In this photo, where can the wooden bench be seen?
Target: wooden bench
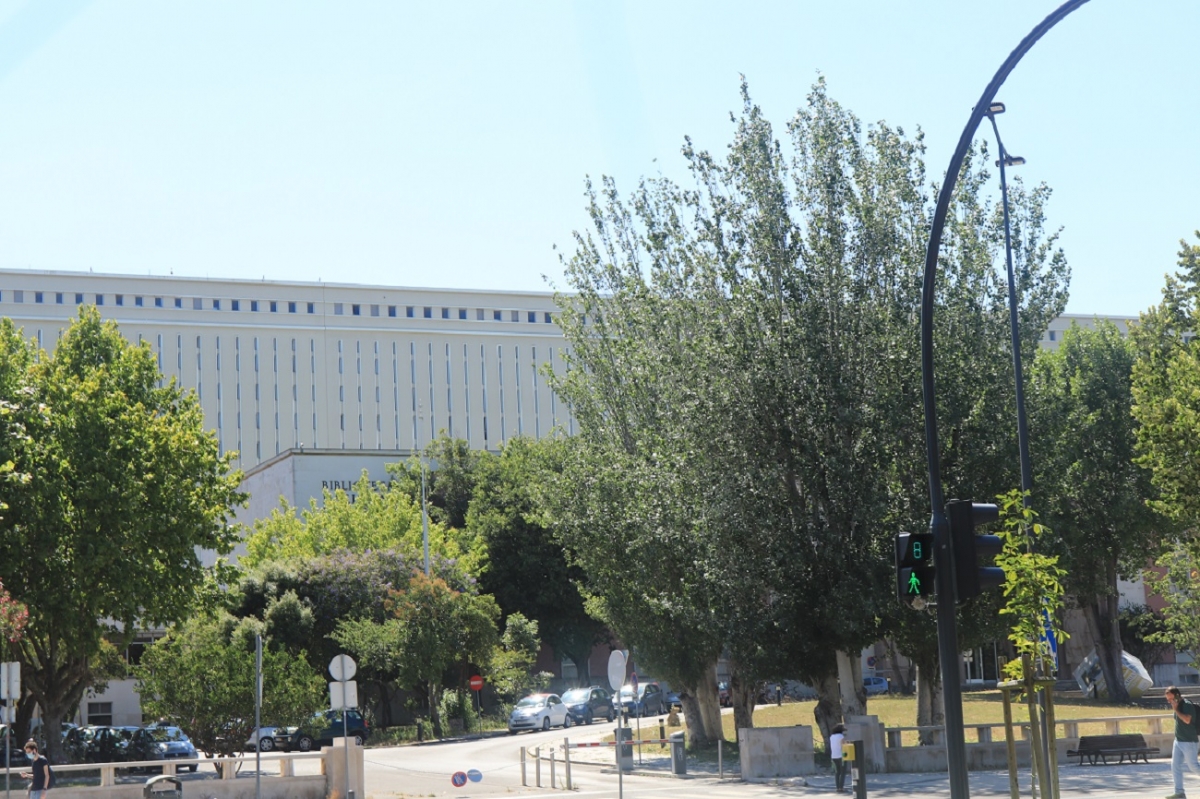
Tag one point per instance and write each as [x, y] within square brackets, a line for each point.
[1099, 748]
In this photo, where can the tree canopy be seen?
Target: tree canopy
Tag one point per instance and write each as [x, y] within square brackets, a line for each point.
[125, 488]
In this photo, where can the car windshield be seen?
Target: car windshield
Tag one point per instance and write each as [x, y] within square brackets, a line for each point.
[167, 734]
[627, 692]
[577, 695]
[532, 701]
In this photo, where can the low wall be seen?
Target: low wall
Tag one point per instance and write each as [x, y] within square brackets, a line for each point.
[775, 752]
[330, 783]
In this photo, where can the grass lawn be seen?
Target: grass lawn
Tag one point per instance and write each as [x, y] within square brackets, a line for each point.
[979, 707]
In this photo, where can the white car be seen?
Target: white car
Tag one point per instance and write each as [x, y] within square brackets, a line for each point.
[539, 712]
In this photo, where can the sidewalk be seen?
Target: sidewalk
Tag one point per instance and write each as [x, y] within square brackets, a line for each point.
[1076, 782]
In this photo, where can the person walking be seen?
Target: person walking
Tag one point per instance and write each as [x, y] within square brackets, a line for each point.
[41, 774]
[1187, 742]
[836, 738]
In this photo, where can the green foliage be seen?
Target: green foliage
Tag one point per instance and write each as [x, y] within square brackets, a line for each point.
[1033, 589]
[527, 571]
[375, 518]
[201, 677]
[744, 370]
[433, 628]
[1178, 583]
[126, 488]
[511, 668]
[1166, 388]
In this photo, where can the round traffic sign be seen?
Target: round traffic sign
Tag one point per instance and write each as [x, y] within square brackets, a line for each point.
[476, 683]
[458, 779]
[616, 669]
[475, 775]
[342, 668]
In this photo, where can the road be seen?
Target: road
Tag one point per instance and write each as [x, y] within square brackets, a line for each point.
[425, 771]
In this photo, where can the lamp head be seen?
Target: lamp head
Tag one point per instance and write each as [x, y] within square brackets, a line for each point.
[1012, 160]
[995, 108]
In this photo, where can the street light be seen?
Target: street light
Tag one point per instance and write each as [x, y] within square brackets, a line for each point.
[1006, 160]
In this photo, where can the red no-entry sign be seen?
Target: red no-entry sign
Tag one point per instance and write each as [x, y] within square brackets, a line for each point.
[476, 683]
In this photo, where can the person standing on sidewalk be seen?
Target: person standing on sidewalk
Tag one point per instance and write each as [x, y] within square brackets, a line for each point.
[1187, 742]
[836, 738]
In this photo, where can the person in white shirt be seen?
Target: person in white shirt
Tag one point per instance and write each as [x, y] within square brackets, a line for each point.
[836, 737]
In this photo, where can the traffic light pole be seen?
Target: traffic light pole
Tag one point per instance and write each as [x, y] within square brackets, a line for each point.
[938, 525]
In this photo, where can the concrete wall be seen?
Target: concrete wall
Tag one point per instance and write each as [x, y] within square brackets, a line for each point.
[992, 756]
[776, 752]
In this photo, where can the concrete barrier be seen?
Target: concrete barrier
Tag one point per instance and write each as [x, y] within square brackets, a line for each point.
[775, 752]
[330, 783]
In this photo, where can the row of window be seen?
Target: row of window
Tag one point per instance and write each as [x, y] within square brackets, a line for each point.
[274, 306]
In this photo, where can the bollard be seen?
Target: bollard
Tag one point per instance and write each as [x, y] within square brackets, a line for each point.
[662, 731]
[537, 767]
[720, 759]
[553, 781]
[858, 768]
[524, 783]
[678, 754]
[567, 760]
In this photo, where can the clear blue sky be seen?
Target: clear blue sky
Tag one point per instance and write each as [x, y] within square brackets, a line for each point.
[446, 144]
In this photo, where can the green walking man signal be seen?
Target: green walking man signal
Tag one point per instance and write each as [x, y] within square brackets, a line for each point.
[914, 568]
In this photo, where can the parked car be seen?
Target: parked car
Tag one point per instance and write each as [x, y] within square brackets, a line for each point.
[321, 730]
[875, 685]
[586, 704]
[724, 695]
[161, 743]
[263, 738]
[538, 712]
[650, 699]
[96, 744]
[673, 700]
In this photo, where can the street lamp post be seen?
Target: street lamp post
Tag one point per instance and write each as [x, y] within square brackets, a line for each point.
[1006, 160]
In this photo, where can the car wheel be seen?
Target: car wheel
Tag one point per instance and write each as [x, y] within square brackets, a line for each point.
[304, 744]
[611, 715]
[192, 768]
[546, 723]
[567, 720]
[266, 744]
[358, 739]
[590, 717]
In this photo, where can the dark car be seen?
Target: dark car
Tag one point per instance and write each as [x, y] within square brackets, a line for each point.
[724, 694]
[650, 699]
[96, 744]
[321, 730]
[587, 704]
[161, 743]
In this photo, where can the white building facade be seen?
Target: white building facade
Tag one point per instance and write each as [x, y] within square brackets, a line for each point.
[280, 366]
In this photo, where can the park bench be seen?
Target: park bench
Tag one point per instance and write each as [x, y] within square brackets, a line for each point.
[1099, 748]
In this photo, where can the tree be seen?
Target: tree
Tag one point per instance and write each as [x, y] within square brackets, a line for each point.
[512, 664]
[1088, 487]
[745, 374]
[434, 627]
[1166, 379]
[126, 487]
[201, 676]
[527, 571]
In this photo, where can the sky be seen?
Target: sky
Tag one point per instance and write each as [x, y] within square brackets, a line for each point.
[447, 144]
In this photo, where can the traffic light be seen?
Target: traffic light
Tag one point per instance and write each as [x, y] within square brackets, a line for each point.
[973, 553]
[914, 568]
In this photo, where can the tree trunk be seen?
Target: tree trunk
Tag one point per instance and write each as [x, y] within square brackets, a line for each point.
[693, 720]
[828, 711]
[435, 718]
[854, 697]
[742, 696]
[710, 705]
[1102, 614]
[930, 708]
